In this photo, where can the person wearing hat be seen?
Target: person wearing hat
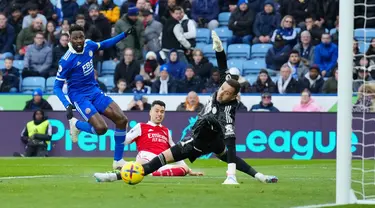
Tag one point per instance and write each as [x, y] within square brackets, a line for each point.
[136, 39]
[151, 69]
[37, 102]
[152, 31]
[164, 84]
[191, 82]
[364, 76]
[265, 23]
[263, 83]
[313, 81]
[84, 9]
[241, 23]
[265, 104]
[110, 10]
[278, 54]
[33, 13]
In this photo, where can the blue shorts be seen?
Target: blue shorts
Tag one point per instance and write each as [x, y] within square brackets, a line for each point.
[88, 105]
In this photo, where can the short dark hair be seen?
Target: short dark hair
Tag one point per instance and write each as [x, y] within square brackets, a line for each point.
[158, 102]
[294, 52]
[39, 33]
[175, 8]
[235, 84]
[64, 34]
[310, 17]
[325, 33]
[121, 80]
[9, 58]
[80, 16]
[76, 27]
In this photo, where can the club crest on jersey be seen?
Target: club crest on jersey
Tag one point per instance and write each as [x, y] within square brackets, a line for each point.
[91, 53]
[87, 110]
[214, 110]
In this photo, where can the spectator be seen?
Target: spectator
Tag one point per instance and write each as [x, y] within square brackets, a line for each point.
[335, 36]
[70, 10]
[127, 68]
[264, 83]
[326, 54]
[287, 31]
[165, 10]
[38, 58]
[152, 32]
[65, 27]
[205, 13]
[363, 63]
[102, 86]
[151, 69]
[164, 84]
[365, 101]
[136, 39]
[139, 103]
[191, 82]
[316, 30]
[299, 69]
[121, 87]
[11, 75]
[36, 135]
[7, 36]
[173, 35]
[16, 20]
[265, 104]
[213, 83]
[27, 35]
[5, 85]
[4, 7]
[191, 104]
[286, 83]
[326, 11]
[110, 11]
[370, 53]
[330, 85]
[300, 10]
[140, 88]
[58, 52]
[356, 53]
[363, 77]
[240, 107]
[313, 81]
[51, 34]
[141, 5]
[265, 23]
[241, 23]
[305, 48]
[278, 54]
[46, 8]
[256, 5]
[245, 85]
[307, 104]
[284, 6]
[175, 66]
[201, 66]
[189, 29]
[33, 14]
[37, 103]
[84, 9]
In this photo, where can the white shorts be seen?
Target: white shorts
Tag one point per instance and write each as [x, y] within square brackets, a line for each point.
[144, 157]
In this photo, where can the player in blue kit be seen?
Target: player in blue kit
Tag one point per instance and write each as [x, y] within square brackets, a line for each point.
[77, 69]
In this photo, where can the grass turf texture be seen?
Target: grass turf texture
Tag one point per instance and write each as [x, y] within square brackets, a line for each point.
[71, 185]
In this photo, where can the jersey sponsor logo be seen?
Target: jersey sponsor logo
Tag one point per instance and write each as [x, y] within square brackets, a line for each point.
[156, 137]
[88, 67]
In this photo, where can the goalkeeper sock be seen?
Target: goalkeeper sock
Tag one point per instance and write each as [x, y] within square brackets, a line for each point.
[241, 165]
[154, 164]
[170, 172]
[120, 135]
[85, 126]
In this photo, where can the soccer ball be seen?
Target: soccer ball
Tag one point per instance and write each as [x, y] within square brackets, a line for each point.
[132, 173]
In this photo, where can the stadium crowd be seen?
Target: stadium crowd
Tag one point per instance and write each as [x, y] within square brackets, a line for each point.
[276, 46]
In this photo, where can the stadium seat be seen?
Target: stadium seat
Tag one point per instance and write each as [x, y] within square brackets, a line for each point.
[200, 45]
[203, 35]
[363, 46]
[224, 33]
[253, 66]
[239, 51]
[224, 18]
[81, 2]
[260, 50]
[238, 63]
[332, 31]
[118, 2]
[366, 35]
[208, 52]
[29, 84]
[18, 64]
[2, 64]
[274, 78]
[108, 68]
[213, 61]
[49, 84]
[298, 30]
[251, 78]
[108, 81]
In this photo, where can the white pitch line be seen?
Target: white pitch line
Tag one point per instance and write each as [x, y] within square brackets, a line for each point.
[318, 205]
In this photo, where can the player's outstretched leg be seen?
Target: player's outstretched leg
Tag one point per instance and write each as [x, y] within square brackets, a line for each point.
[76, 126]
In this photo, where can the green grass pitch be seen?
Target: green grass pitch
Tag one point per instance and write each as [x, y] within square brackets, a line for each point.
[68, 183]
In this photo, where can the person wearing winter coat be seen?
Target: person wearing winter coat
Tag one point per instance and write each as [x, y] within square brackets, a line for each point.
[363, 77]
[127, 68]
[300, 10]
[151, 69]
[191, 104]
[265, 104]
[7, 37]
[58, 52]
[205, 13]
[307, 104]
[286, 83]
[175, 66]
[110, 10]
[305, 48]
[201, 66]
[70, 10]
[326, 55]
[278, 54]
[191, 82]
[265, 23]
[165, 83]
[152, 32]
[330, 85]
[313, 81]
[241, 23]
[213, 83]
[315, 30]
[264, 83]
[299, 68]
[37, 102]
[287, 31]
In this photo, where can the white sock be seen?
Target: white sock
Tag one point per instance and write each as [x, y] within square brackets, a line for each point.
[260, 177]
[231, 169]
[113, 176]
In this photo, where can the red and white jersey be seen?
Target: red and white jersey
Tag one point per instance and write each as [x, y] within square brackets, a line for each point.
[150, 137]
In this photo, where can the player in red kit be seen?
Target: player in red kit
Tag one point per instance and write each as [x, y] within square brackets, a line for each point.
[151, 139]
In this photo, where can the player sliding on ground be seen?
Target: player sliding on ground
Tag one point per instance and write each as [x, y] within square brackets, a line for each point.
[77, 68]
[214, 127]
[152, 139]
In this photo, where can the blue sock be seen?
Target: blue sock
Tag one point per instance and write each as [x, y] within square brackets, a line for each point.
[85, 126]
[120, 135]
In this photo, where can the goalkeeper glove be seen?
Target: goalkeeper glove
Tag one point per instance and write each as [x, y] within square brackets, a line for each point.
[69, 111]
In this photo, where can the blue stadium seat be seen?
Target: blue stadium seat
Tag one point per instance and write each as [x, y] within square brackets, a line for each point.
[118, 2]
[81, 2]
[332, 31]
[49, 84]
[108, 68]
[238, 63]
[2, 64]
[274, 78]
[251, 78]
[366, 35]
[200, 45]
[239, 51]
[208, 52]
[253, 66]
[224, 18]
[18, 64]
[203, 35]
[29, 84]
[108, 81]
[298, 30]
[213, 61]
[260, 50]
[363, 46]
[224, 33]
